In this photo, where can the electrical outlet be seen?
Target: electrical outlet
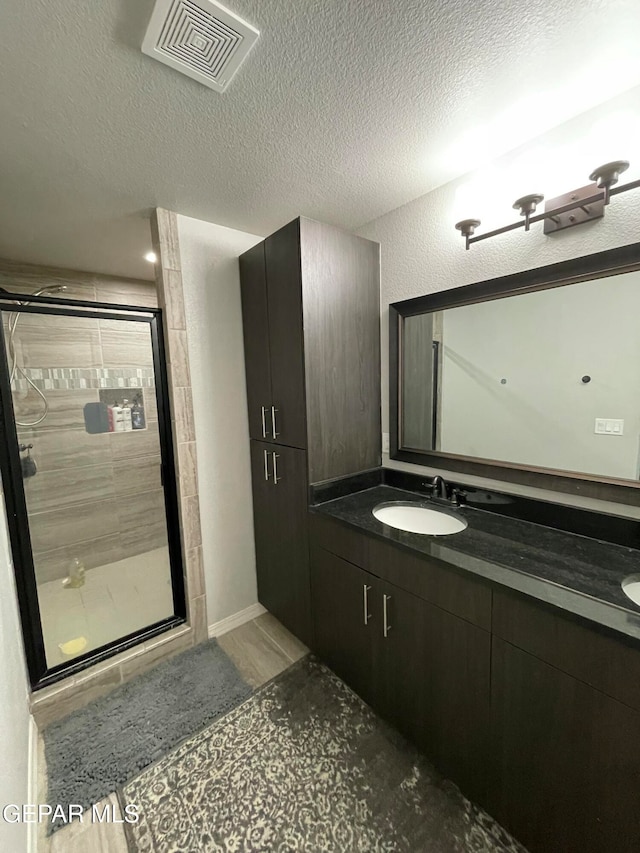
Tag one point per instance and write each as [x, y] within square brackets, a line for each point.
[385, 442]
[609, 426]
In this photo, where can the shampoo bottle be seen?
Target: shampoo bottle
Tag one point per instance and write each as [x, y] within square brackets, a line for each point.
[138, 420]
[126, 415]
[118, 418]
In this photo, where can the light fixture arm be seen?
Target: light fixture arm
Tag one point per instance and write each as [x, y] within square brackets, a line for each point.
[577, 201]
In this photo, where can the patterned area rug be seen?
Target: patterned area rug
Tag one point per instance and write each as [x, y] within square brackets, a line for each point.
[91, 752]
[304, 765]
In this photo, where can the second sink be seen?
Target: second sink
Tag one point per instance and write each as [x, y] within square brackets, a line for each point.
[631, 588]
[417, 518]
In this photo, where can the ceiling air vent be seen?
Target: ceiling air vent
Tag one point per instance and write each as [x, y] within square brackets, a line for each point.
[200, 38]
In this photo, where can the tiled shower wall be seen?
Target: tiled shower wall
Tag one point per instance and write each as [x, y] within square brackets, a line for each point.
[107, 484]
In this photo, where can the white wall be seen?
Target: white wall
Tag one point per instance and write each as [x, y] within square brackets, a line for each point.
[542, 344]
[14, 708]
[422, 253]
[211, 283]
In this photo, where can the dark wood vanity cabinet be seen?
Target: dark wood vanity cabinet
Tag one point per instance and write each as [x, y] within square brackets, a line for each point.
[423, 669]
[566, 772]
[565, 731]
[311, 318]
[534, 713]
[279, 479]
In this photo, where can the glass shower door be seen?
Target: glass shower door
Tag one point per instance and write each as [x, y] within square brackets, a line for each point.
[89, 442]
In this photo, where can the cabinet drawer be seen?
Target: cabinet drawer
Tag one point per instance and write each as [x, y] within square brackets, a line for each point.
[604, 662]
[458, 593]
[338, 539]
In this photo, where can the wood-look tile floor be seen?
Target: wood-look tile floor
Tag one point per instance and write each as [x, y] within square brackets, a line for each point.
[260, 649]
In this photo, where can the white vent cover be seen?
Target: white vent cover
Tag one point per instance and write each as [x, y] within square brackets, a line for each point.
[200, 38]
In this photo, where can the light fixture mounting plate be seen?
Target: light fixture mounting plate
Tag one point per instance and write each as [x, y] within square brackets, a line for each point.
[594, 210]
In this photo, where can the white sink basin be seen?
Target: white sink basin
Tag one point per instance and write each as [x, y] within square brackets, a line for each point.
[417, 518]
[631, 588]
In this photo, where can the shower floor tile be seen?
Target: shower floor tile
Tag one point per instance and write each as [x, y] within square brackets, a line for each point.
[116, 599]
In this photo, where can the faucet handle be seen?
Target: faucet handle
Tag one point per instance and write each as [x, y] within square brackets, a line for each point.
[458, 496]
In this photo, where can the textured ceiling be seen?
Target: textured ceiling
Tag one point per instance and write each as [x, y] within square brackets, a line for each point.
[344, 110]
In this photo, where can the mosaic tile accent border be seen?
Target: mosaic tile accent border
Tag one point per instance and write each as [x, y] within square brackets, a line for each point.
[79, 378]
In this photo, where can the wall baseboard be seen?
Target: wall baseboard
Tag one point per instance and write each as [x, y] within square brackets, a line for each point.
[235, 620]
[32, 784]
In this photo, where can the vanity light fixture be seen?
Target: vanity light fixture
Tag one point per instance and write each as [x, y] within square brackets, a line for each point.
[572, 208]
[606, 176]
[527, 205]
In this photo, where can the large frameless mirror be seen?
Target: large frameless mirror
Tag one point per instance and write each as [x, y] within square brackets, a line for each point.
[88, 478]
[527, 377]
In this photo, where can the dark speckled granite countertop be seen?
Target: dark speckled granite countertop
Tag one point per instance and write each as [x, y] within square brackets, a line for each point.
[578, 574]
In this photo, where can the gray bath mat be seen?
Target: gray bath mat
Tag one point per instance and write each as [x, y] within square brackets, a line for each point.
[304, 765]
[95, 750]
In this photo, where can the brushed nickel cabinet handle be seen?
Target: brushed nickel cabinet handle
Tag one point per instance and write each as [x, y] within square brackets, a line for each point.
[264, 421]
[266, 465]
[385, 616]
[276, 479]
[365, 596]
[273, 421]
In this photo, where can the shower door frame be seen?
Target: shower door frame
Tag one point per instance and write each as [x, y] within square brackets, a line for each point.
[40, 674]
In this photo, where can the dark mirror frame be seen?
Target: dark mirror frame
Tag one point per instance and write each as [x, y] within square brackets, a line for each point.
[40, 674]
[599, 265]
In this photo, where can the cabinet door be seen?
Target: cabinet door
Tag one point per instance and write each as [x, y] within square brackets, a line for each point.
[264, 521]
[344, 623]
[341, 295]
[567, 759]
[435, 685]
[284, 295]
[255, 324]
[280, 521]
[291, 546]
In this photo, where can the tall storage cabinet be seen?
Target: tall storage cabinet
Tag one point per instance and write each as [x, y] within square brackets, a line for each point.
[311, 318]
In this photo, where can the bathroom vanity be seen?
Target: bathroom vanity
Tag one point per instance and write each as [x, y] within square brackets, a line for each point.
[475, 649]
[508, 651]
